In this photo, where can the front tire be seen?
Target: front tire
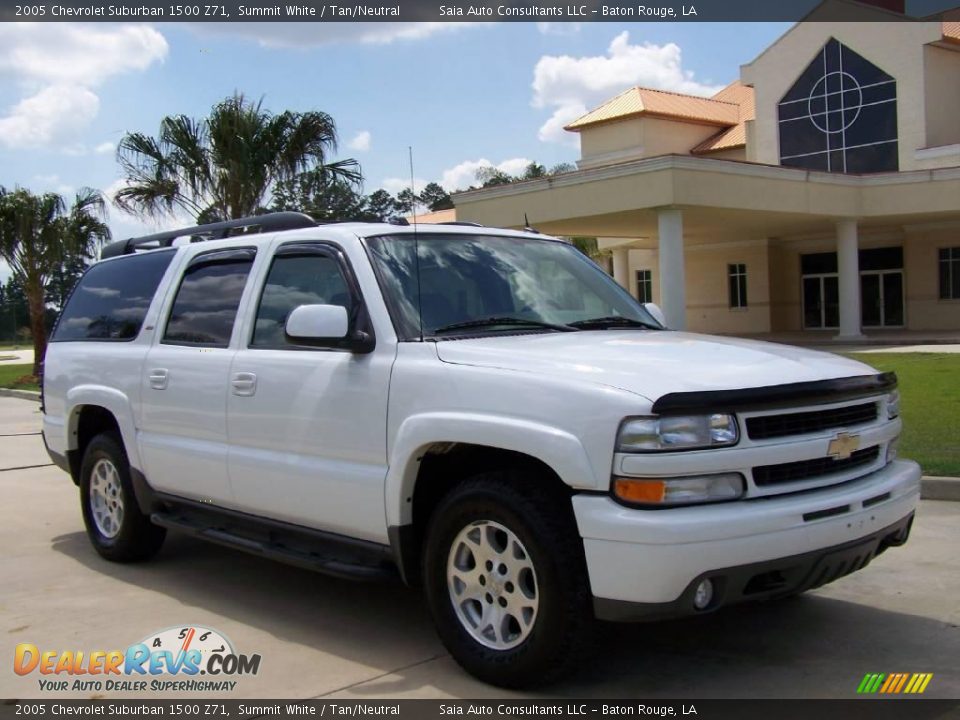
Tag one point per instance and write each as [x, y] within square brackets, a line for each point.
[117, 529]
[506, 580]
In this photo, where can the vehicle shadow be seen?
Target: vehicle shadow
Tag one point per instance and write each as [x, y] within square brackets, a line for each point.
[810, 646]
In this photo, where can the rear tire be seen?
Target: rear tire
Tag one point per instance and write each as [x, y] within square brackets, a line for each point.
[506, 580]
[117, 529]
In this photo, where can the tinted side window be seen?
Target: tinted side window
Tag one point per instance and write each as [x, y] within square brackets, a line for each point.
[112, 298]
[293, 281]
[206, 304]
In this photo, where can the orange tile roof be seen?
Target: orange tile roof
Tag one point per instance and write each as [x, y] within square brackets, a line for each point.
[640, 101]
[951, 31]
[736, 136]
[437, 216]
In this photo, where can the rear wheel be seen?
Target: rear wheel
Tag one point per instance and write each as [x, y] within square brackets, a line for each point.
[116, 527]
[506, 580]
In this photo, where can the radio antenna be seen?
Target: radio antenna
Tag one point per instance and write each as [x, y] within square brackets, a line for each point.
[416, 244]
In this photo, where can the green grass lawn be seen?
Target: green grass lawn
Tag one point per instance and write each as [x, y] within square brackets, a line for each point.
[930, 406]
[10, 374]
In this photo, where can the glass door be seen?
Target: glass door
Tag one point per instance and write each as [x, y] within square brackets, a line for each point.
[881, 299]
[821, 302]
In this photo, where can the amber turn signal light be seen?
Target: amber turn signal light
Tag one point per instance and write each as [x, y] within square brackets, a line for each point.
[640, 491]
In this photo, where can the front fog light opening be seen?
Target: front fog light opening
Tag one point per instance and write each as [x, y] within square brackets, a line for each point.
[893, 405]
[892, 449]
[703, 595]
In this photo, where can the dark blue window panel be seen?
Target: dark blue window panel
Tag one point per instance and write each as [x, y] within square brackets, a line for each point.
[873, 158]
[875, 124]
[802, 109]
[840, 103]
[817, 161]
[801, 137]
[874, 94]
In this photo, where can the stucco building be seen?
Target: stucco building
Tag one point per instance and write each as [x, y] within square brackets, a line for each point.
[819, 192]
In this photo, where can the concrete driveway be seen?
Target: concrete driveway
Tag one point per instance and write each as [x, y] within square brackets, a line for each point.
[322, 637]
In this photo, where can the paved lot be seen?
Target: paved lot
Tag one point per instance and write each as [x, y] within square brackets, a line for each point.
[321, 637]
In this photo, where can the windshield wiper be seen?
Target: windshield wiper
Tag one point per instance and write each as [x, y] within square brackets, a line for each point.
[602, 323]
[498, 320]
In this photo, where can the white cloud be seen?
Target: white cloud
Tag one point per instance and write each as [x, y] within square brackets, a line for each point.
[308, 34]
[464, 175]
[570, 85]
[48, 183]
[104, 148]
[56, 112]
[85, 54]
[393, 185]
[360, 141]
[56, 65]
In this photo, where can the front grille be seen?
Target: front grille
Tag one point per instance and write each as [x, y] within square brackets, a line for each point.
[766, 475]
[774, 426]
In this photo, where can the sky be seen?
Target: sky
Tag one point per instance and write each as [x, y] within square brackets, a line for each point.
[461, 95]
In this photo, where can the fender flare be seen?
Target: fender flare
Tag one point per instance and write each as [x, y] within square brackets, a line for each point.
[558, 449]
[112, 400]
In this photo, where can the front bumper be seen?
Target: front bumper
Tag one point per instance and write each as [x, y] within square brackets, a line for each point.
[646, 564]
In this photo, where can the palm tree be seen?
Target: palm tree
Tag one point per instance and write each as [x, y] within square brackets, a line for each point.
[223, 166]
[39, 235]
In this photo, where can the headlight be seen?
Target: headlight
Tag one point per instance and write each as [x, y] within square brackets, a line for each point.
[677, 432]
[668, 492]
[893, 405]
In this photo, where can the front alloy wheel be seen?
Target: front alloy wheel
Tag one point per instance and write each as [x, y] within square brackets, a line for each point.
[506, 580]
[492, 585]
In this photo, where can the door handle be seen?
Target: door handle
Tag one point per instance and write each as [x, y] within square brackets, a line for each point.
[158, 378]
[244, 384]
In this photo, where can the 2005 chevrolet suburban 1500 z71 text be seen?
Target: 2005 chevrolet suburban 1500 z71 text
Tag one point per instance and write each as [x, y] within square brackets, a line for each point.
[481, 411]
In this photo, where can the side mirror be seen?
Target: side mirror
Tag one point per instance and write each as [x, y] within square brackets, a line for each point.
[317, 323]
[657, 313]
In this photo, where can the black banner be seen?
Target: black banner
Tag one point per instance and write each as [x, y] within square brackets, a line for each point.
[861, 709]
[442, 11]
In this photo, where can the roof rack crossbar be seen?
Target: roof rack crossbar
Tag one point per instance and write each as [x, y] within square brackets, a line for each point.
[462, 223]
[213, 231]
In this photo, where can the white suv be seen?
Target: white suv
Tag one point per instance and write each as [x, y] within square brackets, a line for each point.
[478, 410]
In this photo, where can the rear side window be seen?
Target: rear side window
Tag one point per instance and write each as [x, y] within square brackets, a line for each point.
[112, 298]
[206, 304]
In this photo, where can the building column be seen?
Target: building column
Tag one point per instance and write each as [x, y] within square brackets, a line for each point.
[673, 290]
[621, 267]
[848, 269]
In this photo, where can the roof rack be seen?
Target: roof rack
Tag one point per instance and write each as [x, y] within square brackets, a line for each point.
[212, 231]
[464, 223]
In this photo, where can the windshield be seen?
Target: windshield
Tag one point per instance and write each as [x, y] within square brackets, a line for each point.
[480, 280]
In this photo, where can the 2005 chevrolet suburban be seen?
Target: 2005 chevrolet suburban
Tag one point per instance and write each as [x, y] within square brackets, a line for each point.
[481, 411]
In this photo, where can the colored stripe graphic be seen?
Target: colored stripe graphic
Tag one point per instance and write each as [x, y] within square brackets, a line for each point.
[894, 683]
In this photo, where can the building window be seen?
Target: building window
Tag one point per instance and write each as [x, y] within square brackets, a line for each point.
[840, 115]
[950, 273]
[737, 279]
[645, 285]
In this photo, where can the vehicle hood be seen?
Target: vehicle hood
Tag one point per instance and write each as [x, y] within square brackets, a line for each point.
[652, 363]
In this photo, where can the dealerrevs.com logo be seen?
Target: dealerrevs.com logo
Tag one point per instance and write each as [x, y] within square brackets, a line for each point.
[173, 659]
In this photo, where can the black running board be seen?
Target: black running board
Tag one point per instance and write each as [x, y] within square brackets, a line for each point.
[291, 544]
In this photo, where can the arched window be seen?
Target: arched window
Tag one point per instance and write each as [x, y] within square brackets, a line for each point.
[840, 115]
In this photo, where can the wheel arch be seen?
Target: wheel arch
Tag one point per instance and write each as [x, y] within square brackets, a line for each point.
[433, 453]
[92, 410]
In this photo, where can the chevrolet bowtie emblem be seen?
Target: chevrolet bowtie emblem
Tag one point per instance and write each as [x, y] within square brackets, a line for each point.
[843, 446]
